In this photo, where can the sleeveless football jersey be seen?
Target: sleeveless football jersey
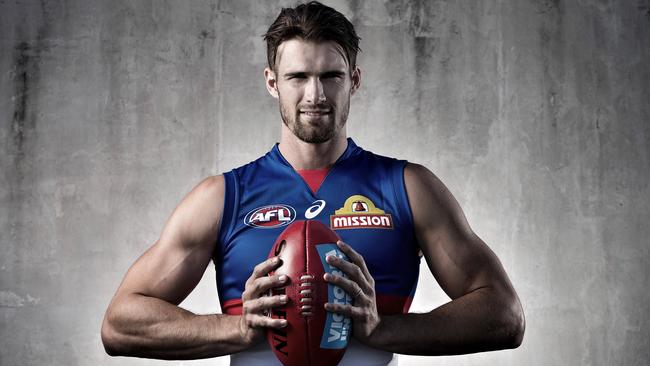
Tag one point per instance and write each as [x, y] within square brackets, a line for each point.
[362, 198]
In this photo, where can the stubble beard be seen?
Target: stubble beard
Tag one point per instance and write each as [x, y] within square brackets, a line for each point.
[316, 132]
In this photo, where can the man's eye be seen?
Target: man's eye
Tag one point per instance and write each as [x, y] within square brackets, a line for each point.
[332, 77]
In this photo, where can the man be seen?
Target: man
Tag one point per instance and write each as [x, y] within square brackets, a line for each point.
[388, 213]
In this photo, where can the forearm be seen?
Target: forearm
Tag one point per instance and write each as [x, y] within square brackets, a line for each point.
[142, 326]
[478, 321]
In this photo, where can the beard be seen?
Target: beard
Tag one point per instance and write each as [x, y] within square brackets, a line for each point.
[315, 131]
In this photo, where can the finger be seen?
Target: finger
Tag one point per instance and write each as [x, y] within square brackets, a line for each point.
[263, 303]
[355, 258]
[258, 286]
[262, 269]
[347, 310]
[353, 289]
[352, 270]
[261, 321]
[262, 285]
[265, 267]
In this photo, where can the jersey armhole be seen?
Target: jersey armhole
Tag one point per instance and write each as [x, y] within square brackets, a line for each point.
[402, 197]
[399, 187]
[230, 207]
[405, 204]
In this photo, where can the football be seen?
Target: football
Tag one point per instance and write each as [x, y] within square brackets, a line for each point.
[313, 335]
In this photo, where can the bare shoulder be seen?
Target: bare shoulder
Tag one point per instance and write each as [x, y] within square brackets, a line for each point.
[457, 257]
[431, 202]
[420, 179]
[210, 187]
[206, 197]
[171, 267]
[198, 216]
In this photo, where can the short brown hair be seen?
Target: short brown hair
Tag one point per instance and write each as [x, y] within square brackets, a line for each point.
[316, 22]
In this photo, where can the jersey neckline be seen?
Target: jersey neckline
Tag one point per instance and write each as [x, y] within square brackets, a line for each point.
[351, 150]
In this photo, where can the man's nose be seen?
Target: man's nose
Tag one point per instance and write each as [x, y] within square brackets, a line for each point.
[315, 93]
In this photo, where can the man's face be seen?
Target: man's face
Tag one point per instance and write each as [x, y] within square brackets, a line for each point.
[313, 84]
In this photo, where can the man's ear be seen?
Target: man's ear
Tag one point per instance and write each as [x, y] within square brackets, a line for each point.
[271, 82]
[356, 80]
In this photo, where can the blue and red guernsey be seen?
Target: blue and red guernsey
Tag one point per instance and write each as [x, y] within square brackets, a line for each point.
[362, 198]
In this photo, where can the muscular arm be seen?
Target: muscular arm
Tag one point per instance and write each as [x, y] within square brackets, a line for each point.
[143, 318]
[484, 314]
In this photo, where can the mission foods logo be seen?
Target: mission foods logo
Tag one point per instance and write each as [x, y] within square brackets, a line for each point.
[360, 212]
[271, 216]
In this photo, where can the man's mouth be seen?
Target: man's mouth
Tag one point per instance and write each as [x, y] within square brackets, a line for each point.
[315, 112]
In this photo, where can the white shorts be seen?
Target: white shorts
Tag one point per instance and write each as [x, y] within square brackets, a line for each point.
[357, 354]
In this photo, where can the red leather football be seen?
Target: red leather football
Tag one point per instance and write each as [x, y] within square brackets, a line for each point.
[313, 336]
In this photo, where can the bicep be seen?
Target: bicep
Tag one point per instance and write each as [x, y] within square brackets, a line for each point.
[171, 268]
[459, 260]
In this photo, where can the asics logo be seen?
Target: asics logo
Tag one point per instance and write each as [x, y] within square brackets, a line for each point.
[314, 209]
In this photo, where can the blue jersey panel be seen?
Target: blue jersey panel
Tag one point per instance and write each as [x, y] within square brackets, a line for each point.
[362, 199]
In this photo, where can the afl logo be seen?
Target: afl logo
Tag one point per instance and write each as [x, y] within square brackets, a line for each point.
[269, 217]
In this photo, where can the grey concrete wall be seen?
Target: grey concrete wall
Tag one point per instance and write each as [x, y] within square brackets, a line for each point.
[534, 113]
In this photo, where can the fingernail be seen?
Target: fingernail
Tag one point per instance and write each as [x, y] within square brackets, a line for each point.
[283, 298]
[275, 260]
[283, 323]
[330, 258]
[340, 243]
[327, 276]
[282, 278]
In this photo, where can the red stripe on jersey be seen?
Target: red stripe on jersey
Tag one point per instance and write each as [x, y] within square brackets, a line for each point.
[232, 307]
[314, 177]
[386, 305]
[393, 304]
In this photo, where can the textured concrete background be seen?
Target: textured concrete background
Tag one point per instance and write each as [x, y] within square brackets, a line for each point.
[534, 113]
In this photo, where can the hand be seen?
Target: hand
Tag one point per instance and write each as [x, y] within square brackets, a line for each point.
[254, 304]
[361, 287]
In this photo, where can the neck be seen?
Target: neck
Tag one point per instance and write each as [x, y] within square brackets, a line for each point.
[303, 155]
